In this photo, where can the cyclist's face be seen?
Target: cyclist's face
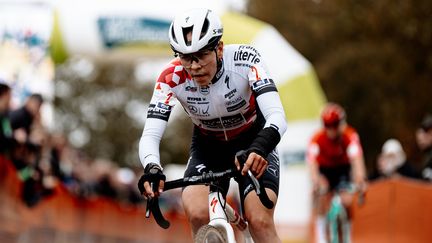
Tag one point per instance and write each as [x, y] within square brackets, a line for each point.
[334, 130]
[424, 138]
[202, 65]
[387, 163]
[4, 101]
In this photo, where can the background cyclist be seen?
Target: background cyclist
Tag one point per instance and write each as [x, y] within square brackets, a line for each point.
[233, 104]
[334, 155]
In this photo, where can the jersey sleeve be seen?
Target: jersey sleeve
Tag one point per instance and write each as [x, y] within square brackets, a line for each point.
[354, 148]
[312, 152]
[266, 93]
[158, 113]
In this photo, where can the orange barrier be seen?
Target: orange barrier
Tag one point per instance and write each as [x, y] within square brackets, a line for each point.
[65, 218]
[395, 211]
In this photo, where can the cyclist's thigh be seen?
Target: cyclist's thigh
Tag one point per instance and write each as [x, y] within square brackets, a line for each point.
[347, 198]
[252, 205]
[260, 218]
[195, 204]
[195, 200]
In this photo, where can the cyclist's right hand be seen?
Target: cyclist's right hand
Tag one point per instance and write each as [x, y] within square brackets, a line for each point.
[152, 182]
[319, 186]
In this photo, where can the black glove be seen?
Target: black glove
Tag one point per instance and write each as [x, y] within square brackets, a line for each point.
[152, 174]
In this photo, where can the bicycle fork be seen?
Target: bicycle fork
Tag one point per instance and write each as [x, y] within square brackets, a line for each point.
[337, 212]
[221, 218]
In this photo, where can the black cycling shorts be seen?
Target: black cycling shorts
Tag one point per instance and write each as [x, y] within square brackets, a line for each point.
[208, 154]
[336, 174]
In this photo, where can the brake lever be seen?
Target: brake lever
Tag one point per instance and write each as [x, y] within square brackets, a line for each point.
[260, 191]
[255, 182]
[154, 208]
[258, 184]
[148, 211]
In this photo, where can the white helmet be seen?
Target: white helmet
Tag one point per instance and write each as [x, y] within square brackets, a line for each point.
[206, 30]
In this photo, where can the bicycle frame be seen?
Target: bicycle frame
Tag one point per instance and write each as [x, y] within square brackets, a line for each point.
[221, 214]
[221, 218]
[335, 213]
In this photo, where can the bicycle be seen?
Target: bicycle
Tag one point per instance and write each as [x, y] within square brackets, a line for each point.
[221, 213]
[337, 221]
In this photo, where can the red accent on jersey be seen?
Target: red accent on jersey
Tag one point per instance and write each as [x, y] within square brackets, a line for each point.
[168, 98]
[174, 74]
[333, 152]
[254, 69]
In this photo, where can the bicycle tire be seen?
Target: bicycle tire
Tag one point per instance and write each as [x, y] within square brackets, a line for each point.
[210, 234]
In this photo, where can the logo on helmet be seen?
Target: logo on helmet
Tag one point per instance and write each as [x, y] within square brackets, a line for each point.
[217, 31]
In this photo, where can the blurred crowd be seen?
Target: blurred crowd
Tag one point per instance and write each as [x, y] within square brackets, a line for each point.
[393, 161]
[43, 159]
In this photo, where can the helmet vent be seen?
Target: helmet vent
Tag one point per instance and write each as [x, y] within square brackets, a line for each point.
[185, 32]
[173, 35]
[204, 28]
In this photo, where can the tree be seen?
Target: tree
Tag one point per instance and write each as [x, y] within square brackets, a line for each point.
[102, 108]
[373, 57]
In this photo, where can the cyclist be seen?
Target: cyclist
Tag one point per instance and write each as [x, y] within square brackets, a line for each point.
[234, 105]
[334, 155]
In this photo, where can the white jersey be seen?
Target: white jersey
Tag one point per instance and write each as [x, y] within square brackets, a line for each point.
[241, 93]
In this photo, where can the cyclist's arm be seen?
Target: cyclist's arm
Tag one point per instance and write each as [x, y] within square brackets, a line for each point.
[150, 140]
[270, 105]
[311, 159]
[355, 154]
[161, 104]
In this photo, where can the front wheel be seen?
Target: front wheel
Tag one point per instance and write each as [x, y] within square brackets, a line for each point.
[210, 234]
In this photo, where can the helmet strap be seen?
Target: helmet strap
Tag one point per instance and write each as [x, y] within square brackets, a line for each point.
[219, 69]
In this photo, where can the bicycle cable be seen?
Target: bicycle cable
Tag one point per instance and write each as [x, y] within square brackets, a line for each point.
[220, 189]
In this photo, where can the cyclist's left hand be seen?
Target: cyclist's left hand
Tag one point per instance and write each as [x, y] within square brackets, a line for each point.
[255, 163]
[362, 186]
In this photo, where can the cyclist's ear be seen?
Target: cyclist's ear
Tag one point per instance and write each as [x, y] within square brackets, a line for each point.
[219, 49]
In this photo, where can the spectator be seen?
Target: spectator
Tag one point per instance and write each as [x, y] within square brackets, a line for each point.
[24, 117]
[424, 142]
[6, 136]
[392, 162]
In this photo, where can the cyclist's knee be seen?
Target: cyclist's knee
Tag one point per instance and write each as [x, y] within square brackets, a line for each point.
[346, 198]
[323, 203]
[260, 221]
[197, 218]
[195, 200]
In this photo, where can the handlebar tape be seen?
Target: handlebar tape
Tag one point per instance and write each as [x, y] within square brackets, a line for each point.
[153, 205]
[257, 184]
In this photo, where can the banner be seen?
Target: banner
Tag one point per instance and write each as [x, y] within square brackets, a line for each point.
[25, 63]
